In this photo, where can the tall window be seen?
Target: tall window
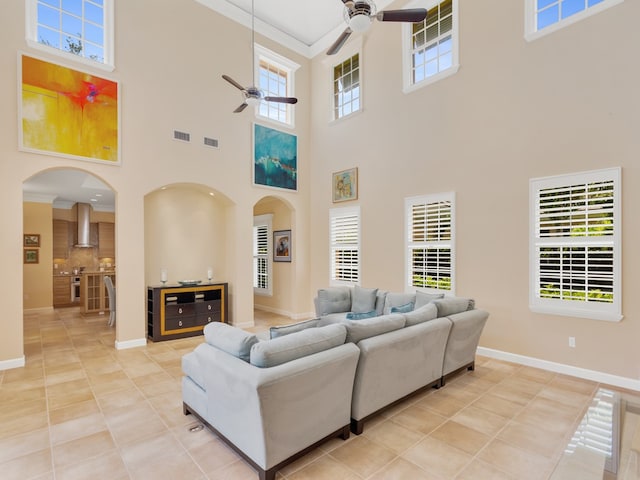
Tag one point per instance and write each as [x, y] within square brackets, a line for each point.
[79, 28]
[276, 79]
[261, 254]
[345, 245]
[546, 16]
[432, 52]
[430, 235]
[346, 87]
[575, 245]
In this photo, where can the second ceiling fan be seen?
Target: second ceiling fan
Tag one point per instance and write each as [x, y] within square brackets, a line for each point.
[253, 95]
[360, 14]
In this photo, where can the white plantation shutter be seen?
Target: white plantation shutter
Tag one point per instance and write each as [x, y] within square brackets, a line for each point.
[576, 244]
[430, 240]
[345, 245]
[261, 255]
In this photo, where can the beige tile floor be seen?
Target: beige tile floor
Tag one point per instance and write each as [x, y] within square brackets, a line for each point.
[81, 409]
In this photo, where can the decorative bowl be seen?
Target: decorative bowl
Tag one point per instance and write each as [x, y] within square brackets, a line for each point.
[189, 283]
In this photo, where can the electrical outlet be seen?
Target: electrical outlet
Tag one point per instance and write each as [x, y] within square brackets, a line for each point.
[572, 342]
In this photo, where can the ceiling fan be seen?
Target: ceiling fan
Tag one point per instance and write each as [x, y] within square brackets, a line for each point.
[359, 15]
[252, 94]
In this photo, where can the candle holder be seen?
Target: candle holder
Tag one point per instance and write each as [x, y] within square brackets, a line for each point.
[163, 276]
[209, 274]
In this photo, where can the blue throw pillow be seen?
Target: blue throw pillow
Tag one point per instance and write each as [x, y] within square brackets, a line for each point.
[406, 308]
[360, 316]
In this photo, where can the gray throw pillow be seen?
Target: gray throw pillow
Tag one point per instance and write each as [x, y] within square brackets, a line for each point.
[422, 298]
[397, 299]
[275, 332]
[419, 315]
[363, 299]
[370, 327]
[232, 340]
[360, 315]
[406, 308]
[380, 299]
[334, 300]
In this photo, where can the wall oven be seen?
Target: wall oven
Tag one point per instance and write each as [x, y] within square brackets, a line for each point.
[75, 289]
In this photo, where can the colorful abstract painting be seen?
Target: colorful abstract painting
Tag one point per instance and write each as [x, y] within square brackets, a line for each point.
[275, 158]
[68, 113]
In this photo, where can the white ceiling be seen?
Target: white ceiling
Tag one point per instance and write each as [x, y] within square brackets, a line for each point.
[308, 27]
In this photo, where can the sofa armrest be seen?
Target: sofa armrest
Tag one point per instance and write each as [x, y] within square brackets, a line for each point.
[463, 340]
[272, 413]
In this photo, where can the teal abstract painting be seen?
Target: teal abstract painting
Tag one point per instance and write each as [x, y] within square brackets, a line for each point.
[275, 158]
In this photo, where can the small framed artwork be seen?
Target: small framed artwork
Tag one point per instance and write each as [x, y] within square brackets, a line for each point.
[31, 255]
[31, 240]
[345, 185]
[282, 246]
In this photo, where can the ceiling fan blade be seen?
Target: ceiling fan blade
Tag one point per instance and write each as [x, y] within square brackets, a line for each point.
[337, 45]
[291, 100]
[233, 82]
[412, 15]
[241, 108]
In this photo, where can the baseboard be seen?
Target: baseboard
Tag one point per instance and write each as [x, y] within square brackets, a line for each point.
[140, 342]
[39, 310]
[284, 313]
[593, 375]
[13, 363]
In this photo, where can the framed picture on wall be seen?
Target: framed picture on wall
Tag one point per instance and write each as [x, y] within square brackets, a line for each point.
[31, 240]
[31, 255]
[275, 158]
[345, 185]
[282, 246]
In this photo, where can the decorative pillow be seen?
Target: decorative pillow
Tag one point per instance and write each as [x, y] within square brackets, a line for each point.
[231, 340]
[452, 305]
[363, 299]
[370, 327]
[296, 345]
[422, 298]
[419, 315]
[334, 300]
[406, 308]
[275, 332]
[397, 299]
[380, 299]
[360, 315]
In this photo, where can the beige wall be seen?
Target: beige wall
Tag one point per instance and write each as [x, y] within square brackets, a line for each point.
[37, 278]
[515, 110]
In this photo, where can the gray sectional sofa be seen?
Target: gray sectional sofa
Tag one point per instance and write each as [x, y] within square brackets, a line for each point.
[274, 400]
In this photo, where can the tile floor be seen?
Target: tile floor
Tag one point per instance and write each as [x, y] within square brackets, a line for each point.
[81, 409]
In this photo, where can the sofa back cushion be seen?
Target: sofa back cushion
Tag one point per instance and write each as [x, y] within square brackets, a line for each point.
[231, 340]
[422, 298]
[363, 299]
[296, 345]
[419, 315]
[280, 331]
[370, 327]
[452, 305]
[333, 300]
[396, 300]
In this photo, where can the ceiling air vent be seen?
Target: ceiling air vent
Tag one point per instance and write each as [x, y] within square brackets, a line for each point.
[184, 136]
[211, 142]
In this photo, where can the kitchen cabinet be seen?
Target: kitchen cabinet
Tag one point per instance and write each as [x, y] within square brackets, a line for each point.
[93, 292]
[175, 311]
[61, 291]
[106, 240]
[60, 239]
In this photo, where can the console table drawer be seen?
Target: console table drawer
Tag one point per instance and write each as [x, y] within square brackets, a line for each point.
[208, 307]
[179, 322]
[178, 310]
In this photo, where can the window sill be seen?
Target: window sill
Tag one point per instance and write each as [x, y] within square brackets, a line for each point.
[70, 56]
[577, 312]
[431, 80]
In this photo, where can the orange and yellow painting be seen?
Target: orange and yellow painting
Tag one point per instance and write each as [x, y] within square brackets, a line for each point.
[67, 112]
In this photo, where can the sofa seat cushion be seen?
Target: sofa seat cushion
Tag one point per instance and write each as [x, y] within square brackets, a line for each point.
[296, 345]
[282, 330]
[397, 299]
[452, 305]
[191, 368]
[419, 315]
[363, 299]
[360, 329]
[334, 300]
[231, 340]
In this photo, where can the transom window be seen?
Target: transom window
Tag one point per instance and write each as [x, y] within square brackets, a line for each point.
[430, 235]
[276, 79]
[575, 245]
[261, 254]
[346, 87]
[76, 28]
[432, 50]
[344, 232]
[546, 16]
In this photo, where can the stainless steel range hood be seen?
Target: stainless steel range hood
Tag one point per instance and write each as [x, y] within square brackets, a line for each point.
[84, 225]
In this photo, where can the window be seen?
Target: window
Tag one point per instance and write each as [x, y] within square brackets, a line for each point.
[431, 46]
[546, 16]
[430, 238]
[575, 245]
[345, 245]
[276, 79]
[346, 87]
[73, 28]
[261, 254]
